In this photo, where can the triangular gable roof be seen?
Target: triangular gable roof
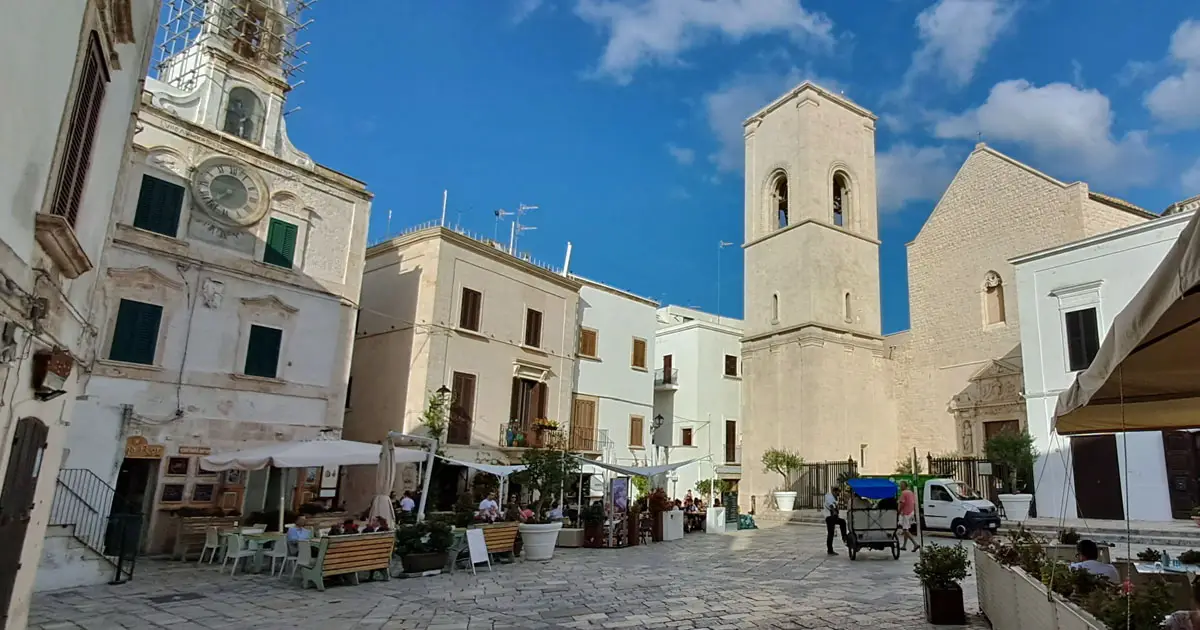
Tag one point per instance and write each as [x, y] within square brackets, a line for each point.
[809, 86]
[996, 368]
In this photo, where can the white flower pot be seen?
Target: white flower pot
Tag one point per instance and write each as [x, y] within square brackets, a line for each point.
[785, 500]
[1016, 506]
[539, 540]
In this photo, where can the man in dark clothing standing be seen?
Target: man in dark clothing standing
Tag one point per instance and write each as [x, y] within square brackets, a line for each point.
[832, 519]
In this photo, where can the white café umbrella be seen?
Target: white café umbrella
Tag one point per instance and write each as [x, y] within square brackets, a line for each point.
[306, 454]
[385, 478]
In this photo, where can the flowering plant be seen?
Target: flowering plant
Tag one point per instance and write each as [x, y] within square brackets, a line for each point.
[545, 424]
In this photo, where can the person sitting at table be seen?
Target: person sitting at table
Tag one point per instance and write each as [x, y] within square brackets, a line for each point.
[297, 533]
[525, 513]
[1088, 553]
[349, 526]
[489, 510]
[556, 512]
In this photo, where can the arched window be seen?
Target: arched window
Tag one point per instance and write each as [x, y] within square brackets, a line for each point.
[841, 198]
[846, 312]
[993, 299]
[243, 115]
[775, 308]
[777, 201]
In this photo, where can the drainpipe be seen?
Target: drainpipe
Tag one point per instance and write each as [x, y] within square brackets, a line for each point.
[433, 446]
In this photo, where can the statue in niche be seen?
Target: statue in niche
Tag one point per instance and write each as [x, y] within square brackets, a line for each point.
[968, 437]
[991, 280]
[212, 291]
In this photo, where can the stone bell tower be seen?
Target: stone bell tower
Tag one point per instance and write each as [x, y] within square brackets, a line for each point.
[815, 380]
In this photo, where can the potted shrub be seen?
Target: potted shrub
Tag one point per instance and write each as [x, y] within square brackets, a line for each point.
[659, 502]
[785, 463]
[593, 525]
[940, 570]
[422, 546]
[546, 471]
[1196, 515]
[1015, 453]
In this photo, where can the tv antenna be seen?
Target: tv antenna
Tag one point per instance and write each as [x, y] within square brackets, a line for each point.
[500, 214]
[517, 228]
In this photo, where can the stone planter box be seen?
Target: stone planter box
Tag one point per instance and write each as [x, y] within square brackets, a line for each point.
[1012, 600]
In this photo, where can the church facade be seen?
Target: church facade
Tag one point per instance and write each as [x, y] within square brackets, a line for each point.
[819, 377]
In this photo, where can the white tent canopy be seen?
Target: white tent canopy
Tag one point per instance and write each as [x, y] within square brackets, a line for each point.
[309, 454]
[636, 471]
[493, 469]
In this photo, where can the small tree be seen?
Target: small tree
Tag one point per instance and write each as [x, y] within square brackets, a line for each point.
[906, 466]
[784, 462]
[704, 486]
[1014, 451]
[642, 485]
[435, 418]
[546, 472]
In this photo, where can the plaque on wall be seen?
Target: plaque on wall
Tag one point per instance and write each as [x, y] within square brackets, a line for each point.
[195, 450]
[172, 493]
[230, 500]
[205, 473]
[203, 492]
[136, 447]
[178, 466]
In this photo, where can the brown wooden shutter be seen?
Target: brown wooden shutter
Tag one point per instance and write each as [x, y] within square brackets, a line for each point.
[462, 402]
[541, 396]
[583, 425]
[639, 353]
[533, 328]
[636, 429]
[730, 441]
[587, 343]
[514, 410]
[469, 309]
[687, 437]
[76, 155]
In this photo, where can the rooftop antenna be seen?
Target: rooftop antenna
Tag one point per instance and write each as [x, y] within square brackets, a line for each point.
[517, 228]
[445, 195]
[387, 231]
[500, 214]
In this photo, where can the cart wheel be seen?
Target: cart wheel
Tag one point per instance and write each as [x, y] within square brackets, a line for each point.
[852, 546]
[895, 551]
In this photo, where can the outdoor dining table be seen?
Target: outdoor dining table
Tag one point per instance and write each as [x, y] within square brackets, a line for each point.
[257, 542]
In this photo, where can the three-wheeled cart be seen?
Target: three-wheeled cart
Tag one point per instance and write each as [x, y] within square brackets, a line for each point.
[874, 515]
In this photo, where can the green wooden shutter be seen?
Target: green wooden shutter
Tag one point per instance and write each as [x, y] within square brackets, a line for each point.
[281, 244]
[159, 206]
[135, 335]
[262, 351]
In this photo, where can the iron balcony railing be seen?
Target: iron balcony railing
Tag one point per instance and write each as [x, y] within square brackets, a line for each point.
[98, 518]
[662, 376]
[522, 436]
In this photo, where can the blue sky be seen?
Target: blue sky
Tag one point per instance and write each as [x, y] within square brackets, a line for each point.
[621, 119]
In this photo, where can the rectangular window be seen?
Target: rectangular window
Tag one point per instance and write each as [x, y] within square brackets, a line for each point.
[1083, 338]
[462, 407]
[262, 351]
[76, 156]
[533, 328]
[637, 431]
[159, 205]
[731, 442]
[686, 438]
[638, 360]
[281, 244]
[731, 367]
[135, 335]
[587, 343]
[469, 309]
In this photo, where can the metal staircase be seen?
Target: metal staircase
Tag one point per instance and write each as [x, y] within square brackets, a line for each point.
[98, 519]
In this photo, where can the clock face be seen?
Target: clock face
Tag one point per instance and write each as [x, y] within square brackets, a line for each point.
[228, 192]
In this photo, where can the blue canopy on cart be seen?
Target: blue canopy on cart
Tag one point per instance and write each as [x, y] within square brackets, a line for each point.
[873, 488]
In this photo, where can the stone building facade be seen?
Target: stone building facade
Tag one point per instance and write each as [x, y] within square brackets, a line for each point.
[819, 377]
[228, 290]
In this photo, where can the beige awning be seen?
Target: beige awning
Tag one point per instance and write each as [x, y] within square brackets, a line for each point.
[1146, 376]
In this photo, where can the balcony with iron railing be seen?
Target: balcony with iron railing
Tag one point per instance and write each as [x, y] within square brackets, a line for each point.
[532, 435]
[666, 380]
[585, 439]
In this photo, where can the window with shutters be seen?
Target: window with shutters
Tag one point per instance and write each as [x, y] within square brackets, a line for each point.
[470, 309]
[1083, 338]
[281, 244]
[533, 328]
[583, 425]
[588, 341]
[731, 365]
[262, 351]
[529, 402]
[637, 431]
[462, 408]
[135, 334]
[159, 205]
[638, 358]
[76, 156]
[686, 437]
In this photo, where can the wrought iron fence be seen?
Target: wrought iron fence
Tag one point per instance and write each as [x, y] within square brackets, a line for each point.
[99, 518]
[663, 376]
[977, 473]
[124, 535]
[815, 479]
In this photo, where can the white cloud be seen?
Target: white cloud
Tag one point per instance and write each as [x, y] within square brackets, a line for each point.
[1175, 101]
[642, 32]
[729, 106]
[525, 8]
[1191, 180]
[907, 173]
[1066, 127]
[683, 155]
[955, 37]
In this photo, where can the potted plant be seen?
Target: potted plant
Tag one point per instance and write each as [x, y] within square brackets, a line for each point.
[593, 525]
[659, 502]
[422, 546]
[1196, 515]
[786, 463]
[546, 471]
[940, 570]
[1014, 452]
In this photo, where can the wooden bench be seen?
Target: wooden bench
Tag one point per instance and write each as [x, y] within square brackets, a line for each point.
[501, 538]
[190, 532]
[341, 555]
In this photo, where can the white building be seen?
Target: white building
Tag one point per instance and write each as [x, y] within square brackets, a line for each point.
[614, 392]
[1068, 297]
[226, 302]
[697, 391]
[71, 78]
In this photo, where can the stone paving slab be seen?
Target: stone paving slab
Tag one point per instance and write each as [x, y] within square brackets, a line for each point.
[778, 578]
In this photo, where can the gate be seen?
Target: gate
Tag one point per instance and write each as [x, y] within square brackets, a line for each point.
[16, 503]
[817, 478]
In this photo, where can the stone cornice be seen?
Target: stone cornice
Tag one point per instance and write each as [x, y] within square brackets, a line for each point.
[809, 86]
[824, 332]
[873, 241]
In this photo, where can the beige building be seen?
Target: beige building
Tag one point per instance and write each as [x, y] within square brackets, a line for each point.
[441, 309]
[818, 375]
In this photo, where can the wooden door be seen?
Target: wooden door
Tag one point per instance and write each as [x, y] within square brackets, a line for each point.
[16, 503]
[730, 441]
[462, 407]
[1097, 477]
[667, 361]
[1179, 450]
[583, 425]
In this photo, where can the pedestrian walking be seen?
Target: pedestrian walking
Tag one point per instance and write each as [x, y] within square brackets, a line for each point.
[832, 519]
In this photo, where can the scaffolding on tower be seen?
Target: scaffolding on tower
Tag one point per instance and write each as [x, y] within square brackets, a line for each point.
[265, 32]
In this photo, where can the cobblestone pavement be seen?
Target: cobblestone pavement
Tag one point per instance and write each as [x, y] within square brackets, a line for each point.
[770, 578]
